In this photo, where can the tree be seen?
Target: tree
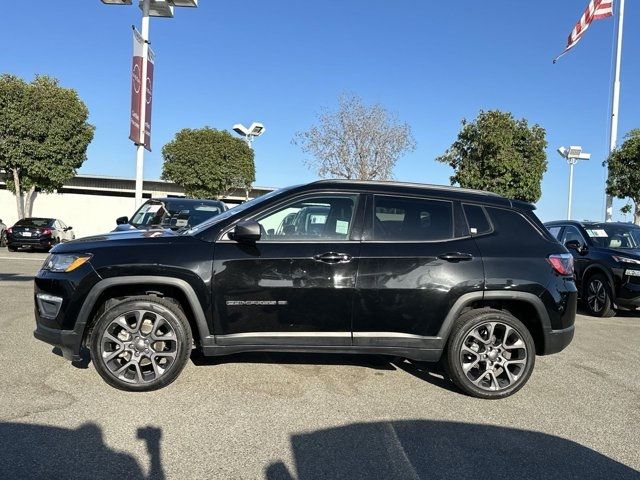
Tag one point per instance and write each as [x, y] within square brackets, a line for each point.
[208, 163]
[44, 135]
[624, 171]
[499, 154]
[356, 141]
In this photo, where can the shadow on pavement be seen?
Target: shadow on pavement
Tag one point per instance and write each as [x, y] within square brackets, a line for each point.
[421, 449]
[40, 451]
[15, 277]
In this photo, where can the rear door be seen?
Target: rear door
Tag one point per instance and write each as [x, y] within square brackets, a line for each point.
[295, 285]
[416, 259]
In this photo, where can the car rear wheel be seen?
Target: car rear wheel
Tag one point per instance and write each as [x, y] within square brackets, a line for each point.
[597, 296]
[3, 239]
[141, 343]
[490, 354]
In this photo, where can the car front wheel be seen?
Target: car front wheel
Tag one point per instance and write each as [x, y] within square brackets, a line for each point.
[598, 297]
[490, 354]
[141, 343]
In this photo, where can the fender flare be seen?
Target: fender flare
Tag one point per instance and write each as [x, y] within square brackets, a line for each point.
[182, 285]
[468, 298]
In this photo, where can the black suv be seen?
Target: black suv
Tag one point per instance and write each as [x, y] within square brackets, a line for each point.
[607, 263]
[422, 272]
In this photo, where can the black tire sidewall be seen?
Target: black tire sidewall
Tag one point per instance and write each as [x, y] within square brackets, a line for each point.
[171, 313]
[463, 326]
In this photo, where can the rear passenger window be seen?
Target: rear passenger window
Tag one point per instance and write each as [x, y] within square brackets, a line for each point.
[476, 219]
[412, 219]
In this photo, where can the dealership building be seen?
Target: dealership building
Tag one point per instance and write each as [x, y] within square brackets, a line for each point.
[91, 203]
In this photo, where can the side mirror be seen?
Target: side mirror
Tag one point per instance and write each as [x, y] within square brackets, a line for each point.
[122, 220]
[573, 245]
[247, 231]
[68, 228]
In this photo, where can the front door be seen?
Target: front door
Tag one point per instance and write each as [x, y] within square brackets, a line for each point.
[295, 285]
[416, 261]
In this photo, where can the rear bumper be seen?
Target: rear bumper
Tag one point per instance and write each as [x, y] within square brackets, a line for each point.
[557, 340]
[27, 242]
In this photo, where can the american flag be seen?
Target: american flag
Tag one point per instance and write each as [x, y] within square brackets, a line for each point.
[596, 10]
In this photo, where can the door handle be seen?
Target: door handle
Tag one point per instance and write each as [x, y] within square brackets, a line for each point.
[455, 256]
[333, 257]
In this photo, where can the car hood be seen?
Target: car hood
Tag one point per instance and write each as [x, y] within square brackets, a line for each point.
[622, 252]
[115, 239]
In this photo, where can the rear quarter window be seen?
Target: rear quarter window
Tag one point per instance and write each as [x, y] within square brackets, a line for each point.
[513, 227]
[476, 219]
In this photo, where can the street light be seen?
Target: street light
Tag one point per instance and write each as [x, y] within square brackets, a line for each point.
[572, 155]
[150, 8]
[255, 130]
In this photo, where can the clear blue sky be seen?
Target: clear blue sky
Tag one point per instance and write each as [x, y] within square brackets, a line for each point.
[280, 61]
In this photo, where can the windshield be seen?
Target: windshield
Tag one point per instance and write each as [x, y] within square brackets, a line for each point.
[235, 210]
[614, 236]
[174, 214]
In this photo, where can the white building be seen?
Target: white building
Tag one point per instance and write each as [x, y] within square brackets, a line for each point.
[91, 203]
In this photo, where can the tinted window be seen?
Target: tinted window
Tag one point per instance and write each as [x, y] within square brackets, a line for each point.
[476, 219]
[513, 227]
[35, 222]
[572, 234]
[327, 217]
[412, 219]
[555, 231]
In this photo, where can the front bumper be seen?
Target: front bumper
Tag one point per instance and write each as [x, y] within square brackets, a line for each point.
[68, 341]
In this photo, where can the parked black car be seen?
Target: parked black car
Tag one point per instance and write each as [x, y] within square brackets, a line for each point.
[607, 263]
[38, 234]
[422, 272]
[3, 234]
[173, 213]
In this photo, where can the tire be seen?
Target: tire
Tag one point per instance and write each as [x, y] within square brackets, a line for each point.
[598, 298]
[152, 344]
[3, 239]
[493, 371]
[11, 249]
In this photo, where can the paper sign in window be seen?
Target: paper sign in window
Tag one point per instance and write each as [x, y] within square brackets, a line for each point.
[342, 227]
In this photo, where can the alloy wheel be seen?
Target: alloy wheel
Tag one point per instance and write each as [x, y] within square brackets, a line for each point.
[139, 346]
[596, 295]
[493, 356]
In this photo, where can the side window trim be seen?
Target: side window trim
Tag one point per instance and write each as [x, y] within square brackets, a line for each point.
[492, 228]
[372, 212]
[355, 231]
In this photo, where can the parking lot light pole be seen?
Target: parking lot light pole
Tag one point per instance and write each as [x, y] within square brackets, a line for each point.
[572, 155]
[255, 130]
[150, 8]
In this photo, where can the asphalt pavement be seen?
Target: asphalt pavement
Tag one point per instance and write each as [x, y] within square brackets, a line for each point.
[308, 417]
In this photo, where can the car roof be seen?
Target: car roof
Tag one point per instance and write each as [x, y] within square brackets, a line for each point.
[442, 191]
[588, 223]
[186, 200]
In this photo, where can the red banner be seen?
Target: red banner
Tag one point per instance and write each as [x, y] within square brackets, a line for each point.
[141, 113]
[136, 87]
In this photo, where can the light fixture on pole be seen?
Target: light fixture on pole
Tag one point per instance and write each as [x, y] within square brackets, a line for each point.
[142, 79]
[255, 130]
[572, 155]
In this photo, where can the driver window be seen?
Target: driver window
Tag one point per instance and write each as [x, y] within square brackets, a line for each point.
[326, 217]
[572, 233]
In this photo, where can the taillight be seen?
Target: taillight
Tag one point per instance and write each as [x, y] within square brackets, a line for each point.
[562, 263]
[9, 230]
[45, 231]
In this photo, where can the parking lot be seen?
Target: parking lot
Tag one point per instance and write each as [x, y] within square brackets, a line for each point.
[286, 416]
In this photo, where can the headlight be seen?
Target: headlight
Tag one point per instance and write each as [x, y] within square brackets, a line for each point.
[64, 262]
[625, 259]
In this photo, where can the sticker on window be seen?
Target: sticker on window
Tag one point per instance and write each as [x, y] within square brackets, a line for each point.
[342, 227]
[597, 233]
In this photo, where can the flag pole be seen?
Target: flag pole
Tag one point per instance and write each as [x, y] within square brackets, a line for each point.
[615, 103]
